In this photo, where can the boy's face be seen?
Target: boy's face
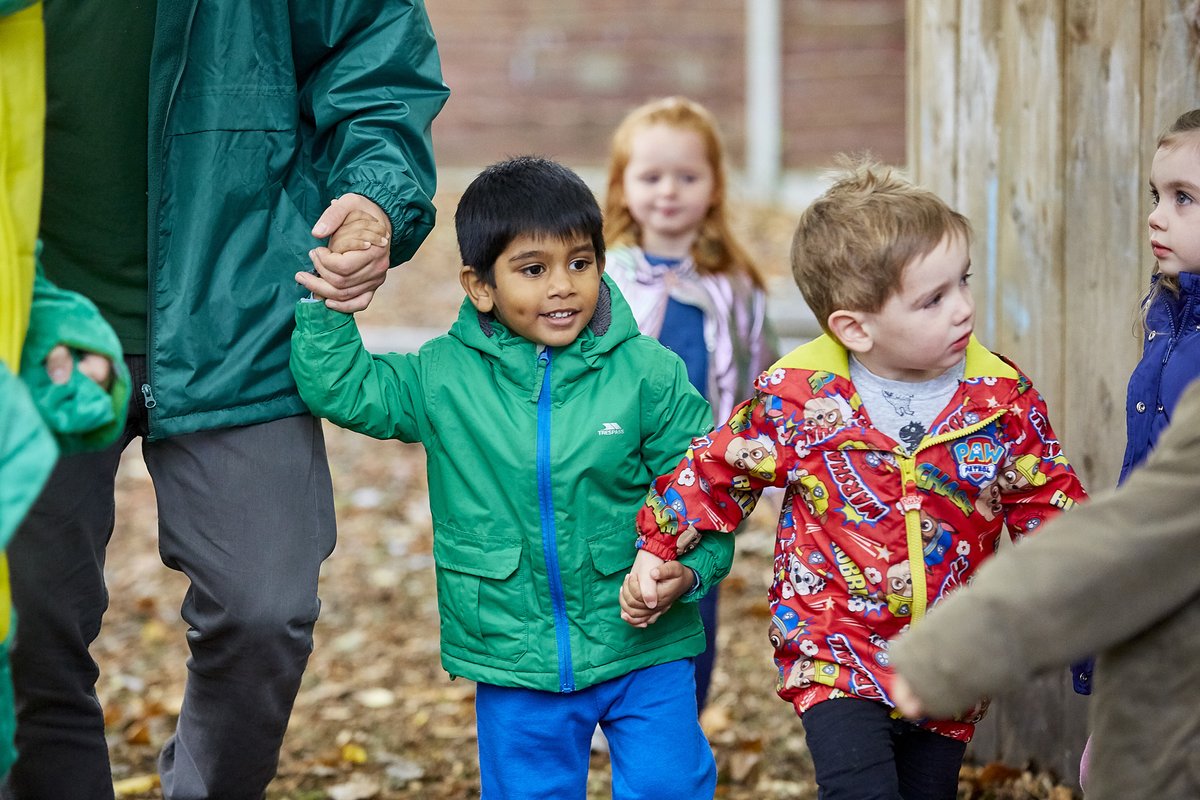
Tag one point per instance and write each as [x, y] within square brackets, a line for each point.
[922, 330]
[546, 288]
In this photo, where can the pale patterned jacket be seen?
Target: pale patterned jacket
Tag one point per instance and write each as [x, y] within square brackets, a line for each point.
[737, 333]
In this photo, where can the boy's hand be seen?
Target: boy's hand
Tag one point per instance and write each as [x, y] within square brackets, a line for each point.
[651, 587]
[60, 363]
[347, 280]
[359, 231]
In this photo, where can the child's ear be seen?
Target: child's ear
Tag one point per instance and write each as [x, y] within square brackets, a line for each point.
[477, 289]
[850, 328]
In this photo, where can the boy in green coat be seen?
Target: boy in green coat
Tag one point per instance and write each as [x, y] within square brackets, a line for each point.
[544, 415]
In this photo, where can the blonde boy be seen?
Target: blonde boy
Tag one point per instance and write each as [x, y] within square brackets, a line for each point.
[884, 433]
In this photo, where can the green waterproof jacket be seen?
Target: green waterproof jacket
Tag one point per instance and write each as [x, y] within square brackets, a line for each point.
[260, 113]
[537, 466]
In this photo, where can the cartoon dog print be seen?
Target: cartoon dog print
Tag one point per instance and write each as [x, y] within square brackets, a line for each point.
[753, 456]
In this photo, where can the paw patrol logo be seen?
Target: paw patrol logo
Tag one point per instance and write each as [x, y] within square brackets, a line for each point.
[978, 459]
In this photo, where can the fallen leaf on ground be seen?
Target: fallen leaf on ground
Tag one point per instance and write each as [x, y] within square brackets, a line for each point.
[139, 784]
[357, 789]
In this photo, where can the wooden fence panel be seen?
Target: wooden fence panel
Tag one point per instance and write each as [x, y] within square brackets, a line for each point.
[1029, 289]
[1103, 228]
[976, 194]
[1045, 145]
[1170, 66]
[977, 152]
[1029, 286]
[932, 51]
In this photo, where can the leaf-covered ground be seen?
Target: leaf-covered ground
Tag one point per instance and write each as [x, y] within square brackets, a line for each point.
[376, 716]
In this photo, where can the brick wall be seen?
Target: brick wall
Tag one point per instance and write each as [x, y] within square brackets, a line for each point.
[555, 76]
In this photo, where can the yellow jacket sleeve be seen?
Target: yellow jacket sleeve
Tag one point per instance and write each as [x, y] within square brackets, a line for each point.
[22, 115]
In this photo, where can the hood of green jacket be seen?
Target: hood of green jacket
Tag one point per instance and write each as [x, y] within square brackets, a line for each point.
[515, 357]
[27, 453]
[12, 6]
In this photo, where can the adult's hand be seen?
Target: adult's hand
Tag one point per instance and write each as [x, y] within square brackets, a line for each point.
[906, 699]
[348, 280]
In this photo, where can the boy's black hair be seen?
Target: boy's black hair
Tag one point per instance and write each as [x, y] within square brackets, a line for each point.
[523, 195]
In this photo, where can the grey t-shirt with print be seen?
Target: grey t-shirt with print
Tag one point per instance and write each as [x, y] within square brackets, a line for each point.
[904, 410]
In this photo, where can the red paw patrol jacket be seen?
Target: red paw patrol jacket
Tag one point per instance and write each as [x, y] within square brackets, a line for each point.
[869, 536]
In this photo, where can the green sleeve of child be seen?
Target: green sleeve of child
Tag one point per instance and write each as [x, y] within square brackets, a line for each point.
[376, 395]
[711, 560]
[27, 454]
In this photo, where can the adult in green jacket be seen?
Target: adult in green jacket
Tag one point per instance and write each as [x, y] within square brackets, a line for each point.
[190, 148]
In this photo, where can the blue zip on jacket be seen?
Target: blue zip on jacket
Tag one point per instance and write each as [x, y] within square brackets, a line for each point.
[562, 633]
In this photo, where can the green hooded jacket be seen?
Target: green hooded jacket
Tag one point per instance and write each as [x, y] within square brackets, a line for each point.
[537, 466]
[260, 113]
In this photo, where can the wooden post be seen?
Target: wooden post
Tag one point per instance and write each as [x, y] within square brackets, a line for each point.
[977, 153]
[932, 55]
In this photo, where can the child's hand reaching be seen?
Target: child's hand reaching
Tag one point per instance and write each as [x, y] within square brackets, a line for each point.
[651, 587]
[360, 231]
[60, 363]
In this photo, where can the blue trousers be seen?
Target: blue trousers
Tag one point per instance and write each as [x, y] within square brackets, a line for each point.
[860, 752]
[537, 744]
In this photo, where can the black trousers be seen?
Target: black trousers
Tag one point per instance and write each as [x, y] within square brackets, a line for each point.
[861, 753]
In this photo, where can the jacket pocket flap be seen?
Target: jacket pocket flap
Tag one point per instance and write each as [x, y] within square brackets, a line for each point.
[613, 550]
[454, 551]
[235, 111]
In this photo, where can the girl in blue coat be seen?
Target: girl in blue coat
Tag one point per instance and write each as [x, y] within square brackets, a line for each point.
[1170, 312]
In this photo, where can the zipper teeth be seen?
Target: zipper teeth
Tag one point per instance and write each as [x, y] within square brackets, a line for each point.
[549, 544]
[915, 555]
[912, 544]
[959, 432]
[152, 259]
